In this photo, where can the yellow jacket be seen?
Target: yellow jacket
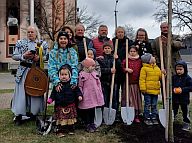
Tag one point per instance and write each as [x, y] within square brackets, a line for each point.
[149, 80]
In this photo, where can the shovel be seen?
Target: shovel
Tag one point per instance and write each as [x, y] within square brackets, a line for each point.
[110, 113]
[127, 113]
[98, 112]
[162, 112]
[44, 123]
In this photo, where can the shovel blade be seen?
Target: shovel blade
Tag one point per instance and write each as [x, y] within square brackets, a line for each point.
[162, 117]
[109, 115]
[98, 117]
[128, 115]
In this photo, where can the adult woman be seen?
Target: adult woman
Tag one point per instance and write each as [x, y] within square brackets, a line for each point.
[23, 103]
[142, 42]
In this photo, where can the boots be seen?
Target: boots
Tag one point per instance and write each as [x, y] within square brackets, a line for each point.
[186, 126]
[18, 120]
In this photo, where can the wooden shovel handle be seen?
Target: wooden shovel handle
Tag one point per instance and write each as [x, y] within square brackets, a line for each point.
[85, 47]
[162, 68]
[127, 76]
[113, 76]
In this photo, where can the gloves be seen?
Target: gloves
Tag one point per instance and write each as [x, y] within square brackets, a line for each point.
[49, 101]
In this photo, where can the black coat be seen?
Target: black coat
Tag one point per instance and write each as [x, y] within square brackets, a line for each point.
[185, 83]
[106, 64]
[66, 96]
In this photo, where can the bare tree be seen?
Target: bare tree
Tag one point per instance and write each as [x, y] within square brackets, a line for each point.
[129, 31]
[90, 21]
[182, 13]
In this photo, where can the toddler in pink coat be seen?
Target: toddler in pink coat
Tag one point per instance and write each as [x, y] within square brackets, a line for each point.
[90, 86]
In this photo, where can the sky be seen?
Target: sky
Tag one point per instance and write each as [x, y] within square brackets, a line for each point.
[137, 13]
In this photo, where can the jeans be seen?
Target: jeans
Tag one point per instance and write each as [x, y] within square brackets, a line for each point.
[150, 106]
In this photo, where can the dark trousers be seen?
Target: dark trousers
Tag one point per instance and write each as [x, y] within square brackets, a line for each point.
[106, 87]
[88, 115]
[184, 109]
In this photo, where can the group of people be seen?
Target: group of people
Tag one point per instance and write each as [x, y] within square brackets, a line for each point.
[81, 77]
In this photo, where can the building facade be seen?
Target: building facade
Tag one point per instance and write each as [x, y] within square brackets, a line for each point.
[15, 18]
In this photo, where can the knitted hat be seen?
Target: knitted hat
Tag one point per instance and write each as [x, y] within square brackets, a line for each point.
[88, 62]
[62, 33]
[146, 58]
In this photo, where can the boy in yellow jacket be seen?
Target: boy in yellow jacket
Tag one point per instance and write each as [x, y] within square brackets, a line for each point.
[149, 82]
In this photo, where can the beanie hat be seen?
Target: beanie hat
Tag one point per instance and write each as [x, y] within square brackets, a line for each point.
[94, 52]
[146, 58]
[62, 33]
[66, 66]
[88, 62]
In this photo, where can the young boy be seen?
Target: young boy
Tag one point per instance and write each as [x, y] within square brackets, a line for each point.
[149, 82]
[182, 85]
[106, 64]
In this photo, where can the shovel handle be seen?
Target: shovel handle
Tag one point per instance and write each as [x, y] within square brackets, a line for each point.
[162, 68]
[113, 76]
[127, 76]
[85, 47]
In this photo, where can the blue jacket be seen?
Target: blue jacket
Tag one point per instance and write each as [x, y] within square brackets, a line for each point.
[184, 82]
[59, 57]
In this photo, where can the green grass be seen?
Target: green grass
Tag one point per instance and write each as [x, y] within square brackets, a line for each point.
[6, 91]
[26, 133]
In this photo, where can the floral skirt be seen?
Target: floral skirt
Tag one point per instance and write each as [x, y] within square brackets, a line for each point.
[66, 115]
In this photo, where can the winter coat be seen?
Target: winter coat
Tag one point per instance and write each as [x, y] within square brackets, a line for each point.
[66, 96]
[175, 54]
[149, 80]
[185, 83]
[80, 45]
[20, 48]
[59, 57]
[90, 87]
[144, 47]
[135, 64]
[106, 64]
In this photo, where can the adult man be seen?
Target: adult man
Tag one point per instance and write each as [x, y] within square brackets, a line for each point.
[176, 45]
[101, 39]
[25, 52]
[79, 35]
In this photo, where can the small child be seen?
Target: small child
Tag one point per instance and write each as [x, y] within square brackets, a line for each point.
[134, 67]
[65, 109]
[91, 53]
[90, 86]
[106, 64]
[149, 82]
[182, 85]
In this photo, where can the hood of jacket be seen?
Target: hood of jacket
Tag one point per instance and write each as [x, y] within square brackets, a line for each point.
[184, 64]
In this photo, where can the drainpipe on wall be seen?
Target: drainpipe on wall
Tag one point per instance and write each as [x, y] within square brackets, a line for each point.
[31, 12]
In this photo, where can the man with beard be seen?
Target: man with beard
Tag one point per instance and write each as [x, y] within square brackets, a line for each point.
[101, 39]
[176, 45]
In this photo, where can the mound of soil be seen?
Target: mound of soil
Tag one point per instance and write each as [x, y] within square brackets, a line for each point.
[141, 133]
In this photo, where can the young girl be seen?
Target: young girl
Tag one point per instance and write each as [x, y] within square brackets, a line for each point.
[134, 67]
[149, 83]
[65, 109]
[90, 86]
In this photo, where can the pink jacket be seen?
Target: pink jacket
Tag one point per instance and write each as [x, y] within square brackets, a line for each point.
[90, 86]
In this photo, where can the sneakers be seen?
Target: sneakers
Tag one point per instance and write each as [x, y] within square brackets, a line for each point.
[18, 120]
[186, 126]
[155, 121]
[148, 122]
[60, 135]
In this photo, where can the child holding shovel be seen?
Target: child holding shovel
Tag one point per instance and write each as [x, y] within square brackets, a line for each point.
[182, 85]
[90, 86]
[134, 67]
[106, 64]
[149, 82]
[65, 109]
